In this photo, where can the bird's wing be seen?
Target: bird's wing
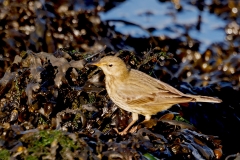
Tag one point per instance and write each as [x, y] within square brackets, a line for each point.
[145, 90]
[166, 87]
[152, 98]
[154, 83]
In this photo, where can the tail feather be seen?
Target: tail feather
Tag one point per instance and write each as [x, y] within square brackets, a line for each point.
[206, 99]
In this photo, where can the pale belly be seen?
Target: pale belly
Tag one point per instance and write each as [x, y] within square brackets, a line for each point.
[141, 109]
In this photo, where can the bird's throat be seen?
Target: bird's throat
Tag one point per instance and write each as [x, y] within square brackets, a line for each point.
[121, 75]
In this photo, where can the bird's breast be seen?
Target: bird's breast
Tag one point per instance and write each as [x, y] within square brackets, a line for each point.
[113, 87]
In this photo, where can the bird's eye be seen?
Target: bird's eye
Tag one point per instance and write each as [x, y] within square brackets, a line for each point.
[110, 65]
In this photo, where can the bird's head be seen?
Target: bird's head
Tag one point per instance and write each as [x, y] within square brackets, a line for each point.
[112, 66]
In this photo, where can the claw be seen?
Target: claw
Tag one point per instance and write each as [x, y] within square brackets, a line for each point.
[124, 132]
[133, 129]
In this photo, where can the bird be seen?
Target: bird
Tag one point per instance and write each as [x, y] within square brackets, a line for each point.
[139, 93]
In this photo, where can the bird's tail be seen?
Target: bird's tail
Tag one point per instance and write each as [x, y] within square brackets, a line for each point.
[206, 99]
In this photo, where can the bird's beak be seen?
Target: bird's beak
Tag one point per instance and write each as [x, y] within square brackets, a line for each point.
[97, 63]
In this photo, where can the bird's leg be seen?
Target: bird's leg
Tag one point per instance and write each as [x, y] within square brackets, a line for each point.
[134, 119]
[147, 118]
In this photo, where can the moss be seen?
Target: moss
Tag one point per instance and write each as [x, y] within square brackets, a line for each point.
[92, 98]
[44, 143]
[30, 157]
[181, 119]
[41, 120]
[23, 54]
[149, 156]
[4, 154]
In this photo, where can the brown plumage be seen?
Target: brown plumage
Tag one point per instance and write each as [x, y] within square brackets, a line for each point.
[139, 93]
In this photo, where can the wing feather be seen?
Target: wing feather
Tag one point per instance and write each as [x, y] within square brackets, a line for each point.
[149, 91]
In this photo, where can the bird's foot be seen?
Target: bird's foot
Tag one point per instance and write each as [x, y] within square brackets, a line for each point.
[133, 129]
[124, 132]
[149, 123]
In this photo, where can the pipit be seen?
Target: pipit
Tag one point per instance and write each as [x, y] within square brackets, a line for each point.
[139, 93]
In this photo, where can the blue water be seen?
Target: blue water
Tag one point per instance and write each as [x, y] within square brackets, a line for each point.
[166, 20]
